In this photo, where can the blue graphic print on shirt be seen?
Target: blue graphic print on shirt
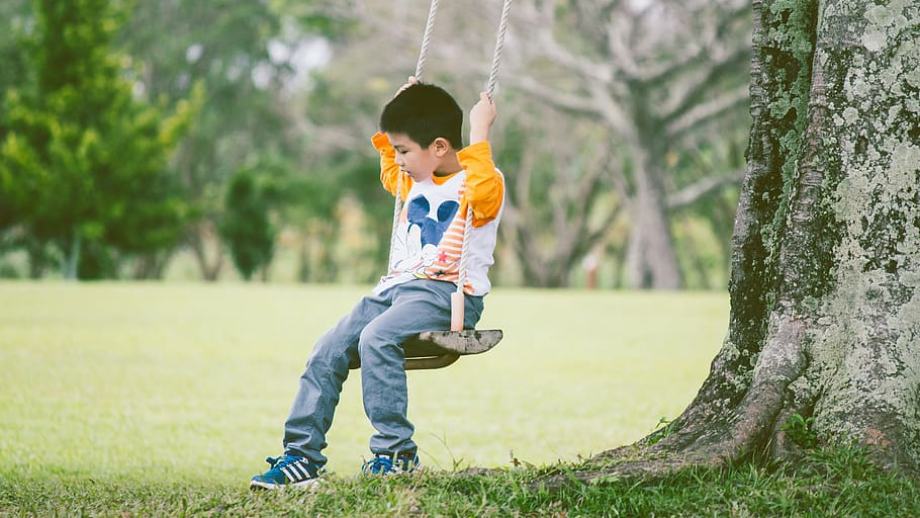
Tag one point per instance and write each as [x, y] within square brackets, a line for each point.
[431, 230]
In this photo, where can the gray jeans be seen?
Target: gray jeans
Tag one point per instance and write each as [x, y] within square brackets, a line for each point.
[373, 331]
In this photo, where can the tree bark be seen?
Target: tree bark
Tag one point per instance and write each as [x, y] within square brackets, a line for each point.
[825, 311]
[198, 239]
[651, 259]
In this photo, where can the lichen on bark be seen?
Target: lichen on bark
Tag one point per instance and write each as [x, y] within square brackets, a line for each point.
[825, 311]
[866, 348]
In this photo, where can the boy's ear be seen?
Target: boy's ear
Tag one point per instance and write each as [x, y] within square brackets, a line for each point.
[441, 146]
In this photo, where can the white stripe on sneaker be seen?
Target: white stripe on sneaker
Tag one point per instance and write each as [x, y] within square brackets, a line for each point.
[301, 470]
[288, 473]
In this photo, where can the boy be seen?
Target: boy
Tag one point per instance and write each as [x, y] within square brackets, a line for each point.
[419, 138]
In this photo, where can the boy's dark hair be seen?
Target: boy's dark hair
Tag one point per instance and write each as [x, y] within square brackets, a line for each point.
[424, 112]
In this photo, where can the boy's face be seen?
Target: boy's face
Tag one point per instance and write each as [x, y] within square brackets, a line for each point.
[419, 162]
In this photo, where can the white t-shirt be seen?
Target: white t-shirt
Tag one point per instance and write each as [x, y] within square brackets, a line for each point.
[428, 241]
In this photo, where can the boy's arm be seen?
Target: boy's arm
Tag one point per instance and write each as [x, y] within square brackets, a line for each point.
[389, 170]
[485, 187]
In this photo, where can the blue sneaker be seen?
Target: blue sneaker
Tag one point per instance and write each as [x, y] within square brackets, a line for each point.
[385, 464]
[287, 470]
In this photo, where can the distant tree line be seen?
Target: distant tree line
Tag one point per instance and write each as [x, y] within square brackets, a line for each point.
[131, 132]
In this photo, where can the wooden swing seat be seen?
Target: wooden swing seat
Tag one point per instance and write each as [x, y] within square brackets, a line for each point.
[436, 349]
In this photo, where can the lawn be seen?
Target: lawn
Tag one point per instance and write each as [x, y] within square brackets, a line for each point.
[162, 399]
[166, 382]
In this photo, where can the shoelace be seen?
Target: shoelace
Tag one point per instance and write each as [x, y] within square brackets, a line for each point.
[285, 460]
[280, 462]
[379, 464]
[387, 464]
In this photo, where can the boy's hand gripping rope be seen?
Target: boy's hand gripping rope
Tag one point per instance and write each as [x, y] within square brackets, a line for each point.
[457, 299]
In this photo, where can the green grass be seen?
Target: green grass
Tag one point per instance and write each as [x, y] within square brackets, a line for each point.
[837, 483]
[155, 379]
[164, 399]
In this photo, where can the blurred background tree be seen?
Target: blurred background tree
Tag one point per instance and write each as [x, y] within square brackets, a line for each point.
[663, 81]
[246, 227]
[83, 161]
[620, 135]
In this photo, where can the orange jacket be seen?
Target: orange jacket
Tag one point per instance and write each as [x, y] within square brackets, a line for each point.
[485, 189]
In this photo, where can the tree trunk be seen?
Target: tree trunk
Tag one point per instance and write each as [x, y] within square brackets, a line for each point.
[151, 266]
[198, 239]
[303, 260]
[39, 259]
[327, 268]
[825, 310]
[651, 262]
[72, 263]
[551, 232]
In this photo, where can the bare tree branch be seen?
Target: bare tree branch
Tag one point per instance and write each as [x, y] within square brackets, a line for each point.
[705, 47]
[521, 237]
[602, 229]
[574, 238]
[334, 137]
[517, 225]
[597, 71]
[562, 100]
[622, 186]
[708, 111]
[618, 31]
[716, 71]
[541, 22]
[693, 192]
[585, 195]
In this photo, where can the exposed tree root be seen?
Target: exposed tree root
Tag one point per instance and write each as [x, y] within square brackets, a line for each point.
[652, 461]
[709, 435]
[758, 435]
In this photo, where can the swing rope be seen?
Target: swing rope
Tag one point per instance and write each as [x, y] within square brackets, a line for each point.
[426, 39]
[419, 68]
[490, 89]
[499, 45]
[493, 79]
